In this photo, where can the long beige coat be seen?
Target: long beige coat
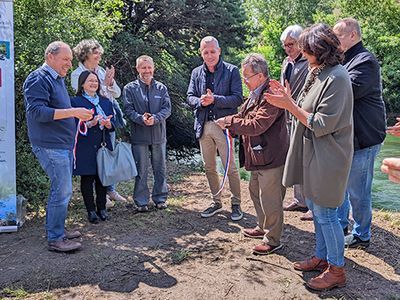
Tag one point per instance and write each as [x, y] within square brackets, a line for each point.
[320, 158]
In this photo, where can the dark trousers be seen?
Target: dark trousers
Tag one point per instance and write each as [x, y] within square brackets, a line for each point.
[87, 182]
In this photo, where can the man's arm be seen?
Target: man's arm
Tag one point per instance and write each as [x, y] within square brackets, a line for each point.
[165, 111]
[263, 119]
[129, 108]
[37, 99]
[235, 98]
[193, 99]
[364, 75]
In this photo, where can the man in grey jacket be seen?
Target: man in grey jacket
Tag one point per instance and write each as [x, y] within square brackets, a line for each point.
[147, 105]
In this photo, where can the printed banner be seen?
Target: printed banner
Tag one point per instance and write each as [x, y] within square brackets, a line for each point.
[8, 199]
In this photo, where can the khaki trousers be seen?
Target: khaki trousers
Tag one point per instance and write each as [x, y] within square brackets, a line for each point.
[213, 138]
[267, 193]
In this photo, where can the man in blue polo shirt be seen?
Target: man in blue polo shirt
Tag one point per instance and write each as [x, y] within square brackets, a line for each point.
[51, 131]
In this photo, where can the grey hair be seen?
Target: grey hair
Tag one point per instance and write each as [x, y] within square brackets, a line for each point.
[86, 47]
[257, 63]
[351, 24]
[54, 48]
[209, 39]
[292, 31]
[144, 58]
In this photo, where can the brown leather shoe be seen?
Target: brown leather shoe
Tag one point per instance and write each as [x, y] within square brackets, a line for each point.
[64, 245]
[308, 216]
[265, 249]
[253, 233]
[330, 278]
[295, 207]
[72, 234]
[312, 264]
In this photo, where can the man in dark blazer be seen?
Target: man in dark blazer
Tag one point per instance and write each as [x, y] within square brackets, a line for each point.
[215, 91]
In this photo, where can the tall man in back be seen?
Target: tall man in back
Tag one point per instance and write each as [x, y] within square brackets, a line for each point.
[51, 130]
[215, 91]
[369, 131]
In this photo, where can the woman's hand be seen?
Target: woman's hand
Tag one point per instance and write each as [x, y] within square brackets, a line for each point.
[221, 123]
[279, 95]
[106, 122]
[391, 166]
[394, 130]
[109, 79]
[93, 122]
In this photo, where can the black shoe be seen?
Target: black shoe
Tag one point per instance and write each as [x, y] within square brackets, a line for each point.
[161, 205]
[143, 208]
[93, 217]
[355, 242]
[212, 210]
[103, 215]
[346, 230]
[237, 213]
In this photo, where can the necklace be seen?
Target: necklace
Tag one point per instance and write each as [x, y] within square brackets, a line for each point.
[310, 82]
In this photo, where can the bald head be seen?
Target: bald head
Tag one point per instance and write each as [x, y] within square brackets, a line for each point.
[58, 56]
[348, 31]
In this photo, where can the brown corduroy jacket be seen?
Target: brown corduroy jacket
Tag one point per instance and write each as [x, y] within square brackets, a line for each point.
[263, 133]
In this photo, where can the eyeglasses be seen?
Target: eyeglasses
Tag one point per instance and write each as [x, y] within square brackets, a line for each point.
[246, 79]
[288, 45]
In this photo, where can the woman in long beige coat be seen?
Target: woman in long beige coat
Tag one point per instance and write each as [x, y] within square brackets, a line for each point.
[321, 150]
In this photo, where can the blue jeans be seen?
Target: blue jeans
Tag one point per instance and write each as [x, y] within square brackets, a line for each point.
[57, 163]
[328, 234]
[157, 153]
[358, 193]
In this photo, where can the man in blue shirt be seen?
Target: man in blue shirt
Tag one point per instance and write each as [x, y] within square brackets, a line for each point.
[215, 91]
[51, 131]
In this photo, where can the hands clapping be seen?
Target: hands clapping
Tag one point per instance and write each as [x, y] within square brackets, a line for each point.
[99, 119]
[207, 99]
[279, 95]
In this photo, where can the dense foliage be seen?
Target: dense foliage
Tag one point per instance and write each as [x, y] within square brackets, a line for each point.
[170, 31]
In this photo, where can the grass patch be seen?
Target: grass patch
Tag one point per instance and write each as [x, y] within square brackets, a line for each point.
[14, 293]
[180, 256]
[393, 218]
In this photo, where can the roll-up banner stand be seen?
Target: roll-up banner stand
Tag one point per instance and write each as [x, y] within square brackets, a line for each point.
[8, 199]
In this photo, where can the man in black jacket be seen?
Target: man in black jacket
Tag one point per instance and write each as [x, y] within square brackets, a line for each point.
[369, 130]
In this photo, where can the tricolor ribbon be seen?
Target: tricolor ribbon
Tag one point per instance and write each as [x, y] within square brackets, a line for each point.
[81, 129]
[229, 143]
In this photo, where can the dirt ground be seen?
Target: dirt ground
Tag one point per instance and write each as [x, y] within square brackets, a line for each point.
[176, 254]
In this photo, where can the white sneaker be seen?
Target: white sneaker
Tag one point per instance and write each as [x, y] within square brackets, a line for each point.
[116, 197]
[109, 203]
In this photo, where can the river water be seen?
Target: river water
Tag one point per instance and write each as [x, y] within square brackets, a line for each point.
[386, 194]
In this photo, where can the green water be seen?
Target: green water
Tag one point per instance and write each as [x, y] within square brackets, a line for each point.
[386, 194]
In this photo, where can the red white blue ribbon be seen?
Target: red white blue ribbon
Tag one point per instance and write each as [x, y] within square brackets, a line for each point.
[229, 146]
[81, 129]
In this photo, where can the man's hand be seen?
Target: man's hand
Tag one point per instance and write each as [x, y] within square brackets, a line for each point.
[82, 114]
[391, 166]
[221, 123]
[394, 130]
[207, 99]
[148, 119]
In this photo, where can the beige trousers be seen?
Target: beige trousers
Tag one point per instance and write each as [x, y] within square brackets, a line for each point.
[213, 138]
[267, 193]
